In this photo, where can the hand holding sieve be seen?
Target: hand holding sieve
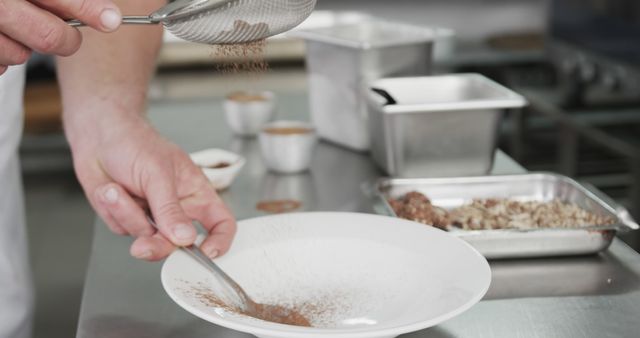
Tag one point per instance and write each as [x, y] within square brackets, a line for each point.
[225, 21]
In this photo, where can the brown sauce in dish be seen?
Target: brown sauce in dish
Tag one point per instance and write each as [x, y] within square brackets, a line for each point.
[278, 206]
[288, 130]
[218, 165]
[246, 97]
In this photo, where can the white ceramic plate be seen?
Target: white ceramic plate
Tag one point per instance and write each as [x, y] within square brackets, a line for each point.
[373, 276]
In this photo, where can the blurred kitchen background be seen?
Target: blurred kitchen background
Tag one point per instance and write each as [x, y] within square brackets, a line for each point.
[577, 61]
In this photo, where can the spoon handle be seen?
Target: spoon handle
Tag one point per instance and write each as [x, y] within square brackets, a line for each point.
[198, 255]
[246, 303]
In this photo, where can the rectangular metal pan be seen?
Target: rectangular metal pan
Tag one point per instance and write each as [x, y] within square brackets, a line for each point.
[450, 193]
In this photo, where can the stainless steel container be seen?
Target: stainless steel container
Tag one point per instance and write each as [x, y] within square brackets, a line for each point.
[450, 193]
[437, 126]
[342, 60]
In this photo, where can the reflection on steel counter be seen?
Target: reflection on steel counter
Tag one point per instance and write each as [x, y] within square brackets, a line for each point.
[562, 276]
[333, 168]
[299, 190]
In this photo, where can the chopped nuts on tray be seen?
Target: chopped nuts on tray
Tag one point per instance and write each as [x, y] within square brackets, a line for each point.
[486, 214]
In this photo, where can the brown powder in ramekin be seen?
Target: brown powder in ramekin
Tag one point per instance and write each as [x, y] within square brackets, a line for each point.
[288, 130]
[278, 206]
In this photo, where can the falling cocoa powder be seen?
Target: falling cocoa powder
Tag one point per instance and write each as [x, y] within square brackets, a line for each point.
[243, 57]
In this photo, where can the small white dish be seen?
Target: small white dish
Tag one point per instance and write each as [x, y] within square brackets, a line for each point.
[221, 178]
[287, 146]
[368, 275]
[247, 112]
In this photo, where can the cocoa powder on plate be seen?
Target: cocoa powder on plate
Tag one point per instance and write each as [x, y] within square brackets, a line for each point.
[280, 314]
[271, 313]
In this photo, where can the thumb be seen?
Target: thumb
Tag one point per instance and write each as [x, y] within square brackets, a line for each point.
[171, 219]
[103, 15]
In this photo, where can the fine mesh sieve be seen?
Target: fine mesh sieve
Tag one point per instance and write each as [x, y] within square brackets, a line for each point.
[225, 21]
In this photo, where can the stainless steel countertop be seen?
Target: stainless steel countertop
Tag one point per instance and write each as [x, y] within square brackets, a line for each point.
[596, 296]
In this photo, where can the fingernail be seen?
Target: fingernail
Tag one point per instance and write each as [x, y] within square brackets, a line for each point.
[110, 19]
[111, 195]
[212, 253]
[143, 255]
[183, 232]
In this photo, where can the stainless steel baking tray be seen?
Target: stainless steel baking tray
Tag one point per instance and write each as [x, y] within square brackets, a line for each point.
[518, 243]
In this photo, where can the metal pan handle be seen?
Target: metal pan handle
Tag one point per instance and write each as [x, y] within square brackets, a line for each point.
[378, 202]
[622, 212]
[389, 100]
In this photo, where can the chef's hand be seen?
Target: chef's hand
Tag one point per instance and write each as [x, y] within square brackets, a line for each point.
[125, 166]
[37, 25]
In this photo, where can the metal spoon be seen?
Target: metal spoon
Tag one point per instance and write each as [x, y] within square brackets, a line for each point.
[247, 306]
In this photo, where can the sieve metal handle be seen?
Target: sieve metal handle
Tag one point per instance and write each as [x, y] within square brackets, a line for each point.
[129, 19]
